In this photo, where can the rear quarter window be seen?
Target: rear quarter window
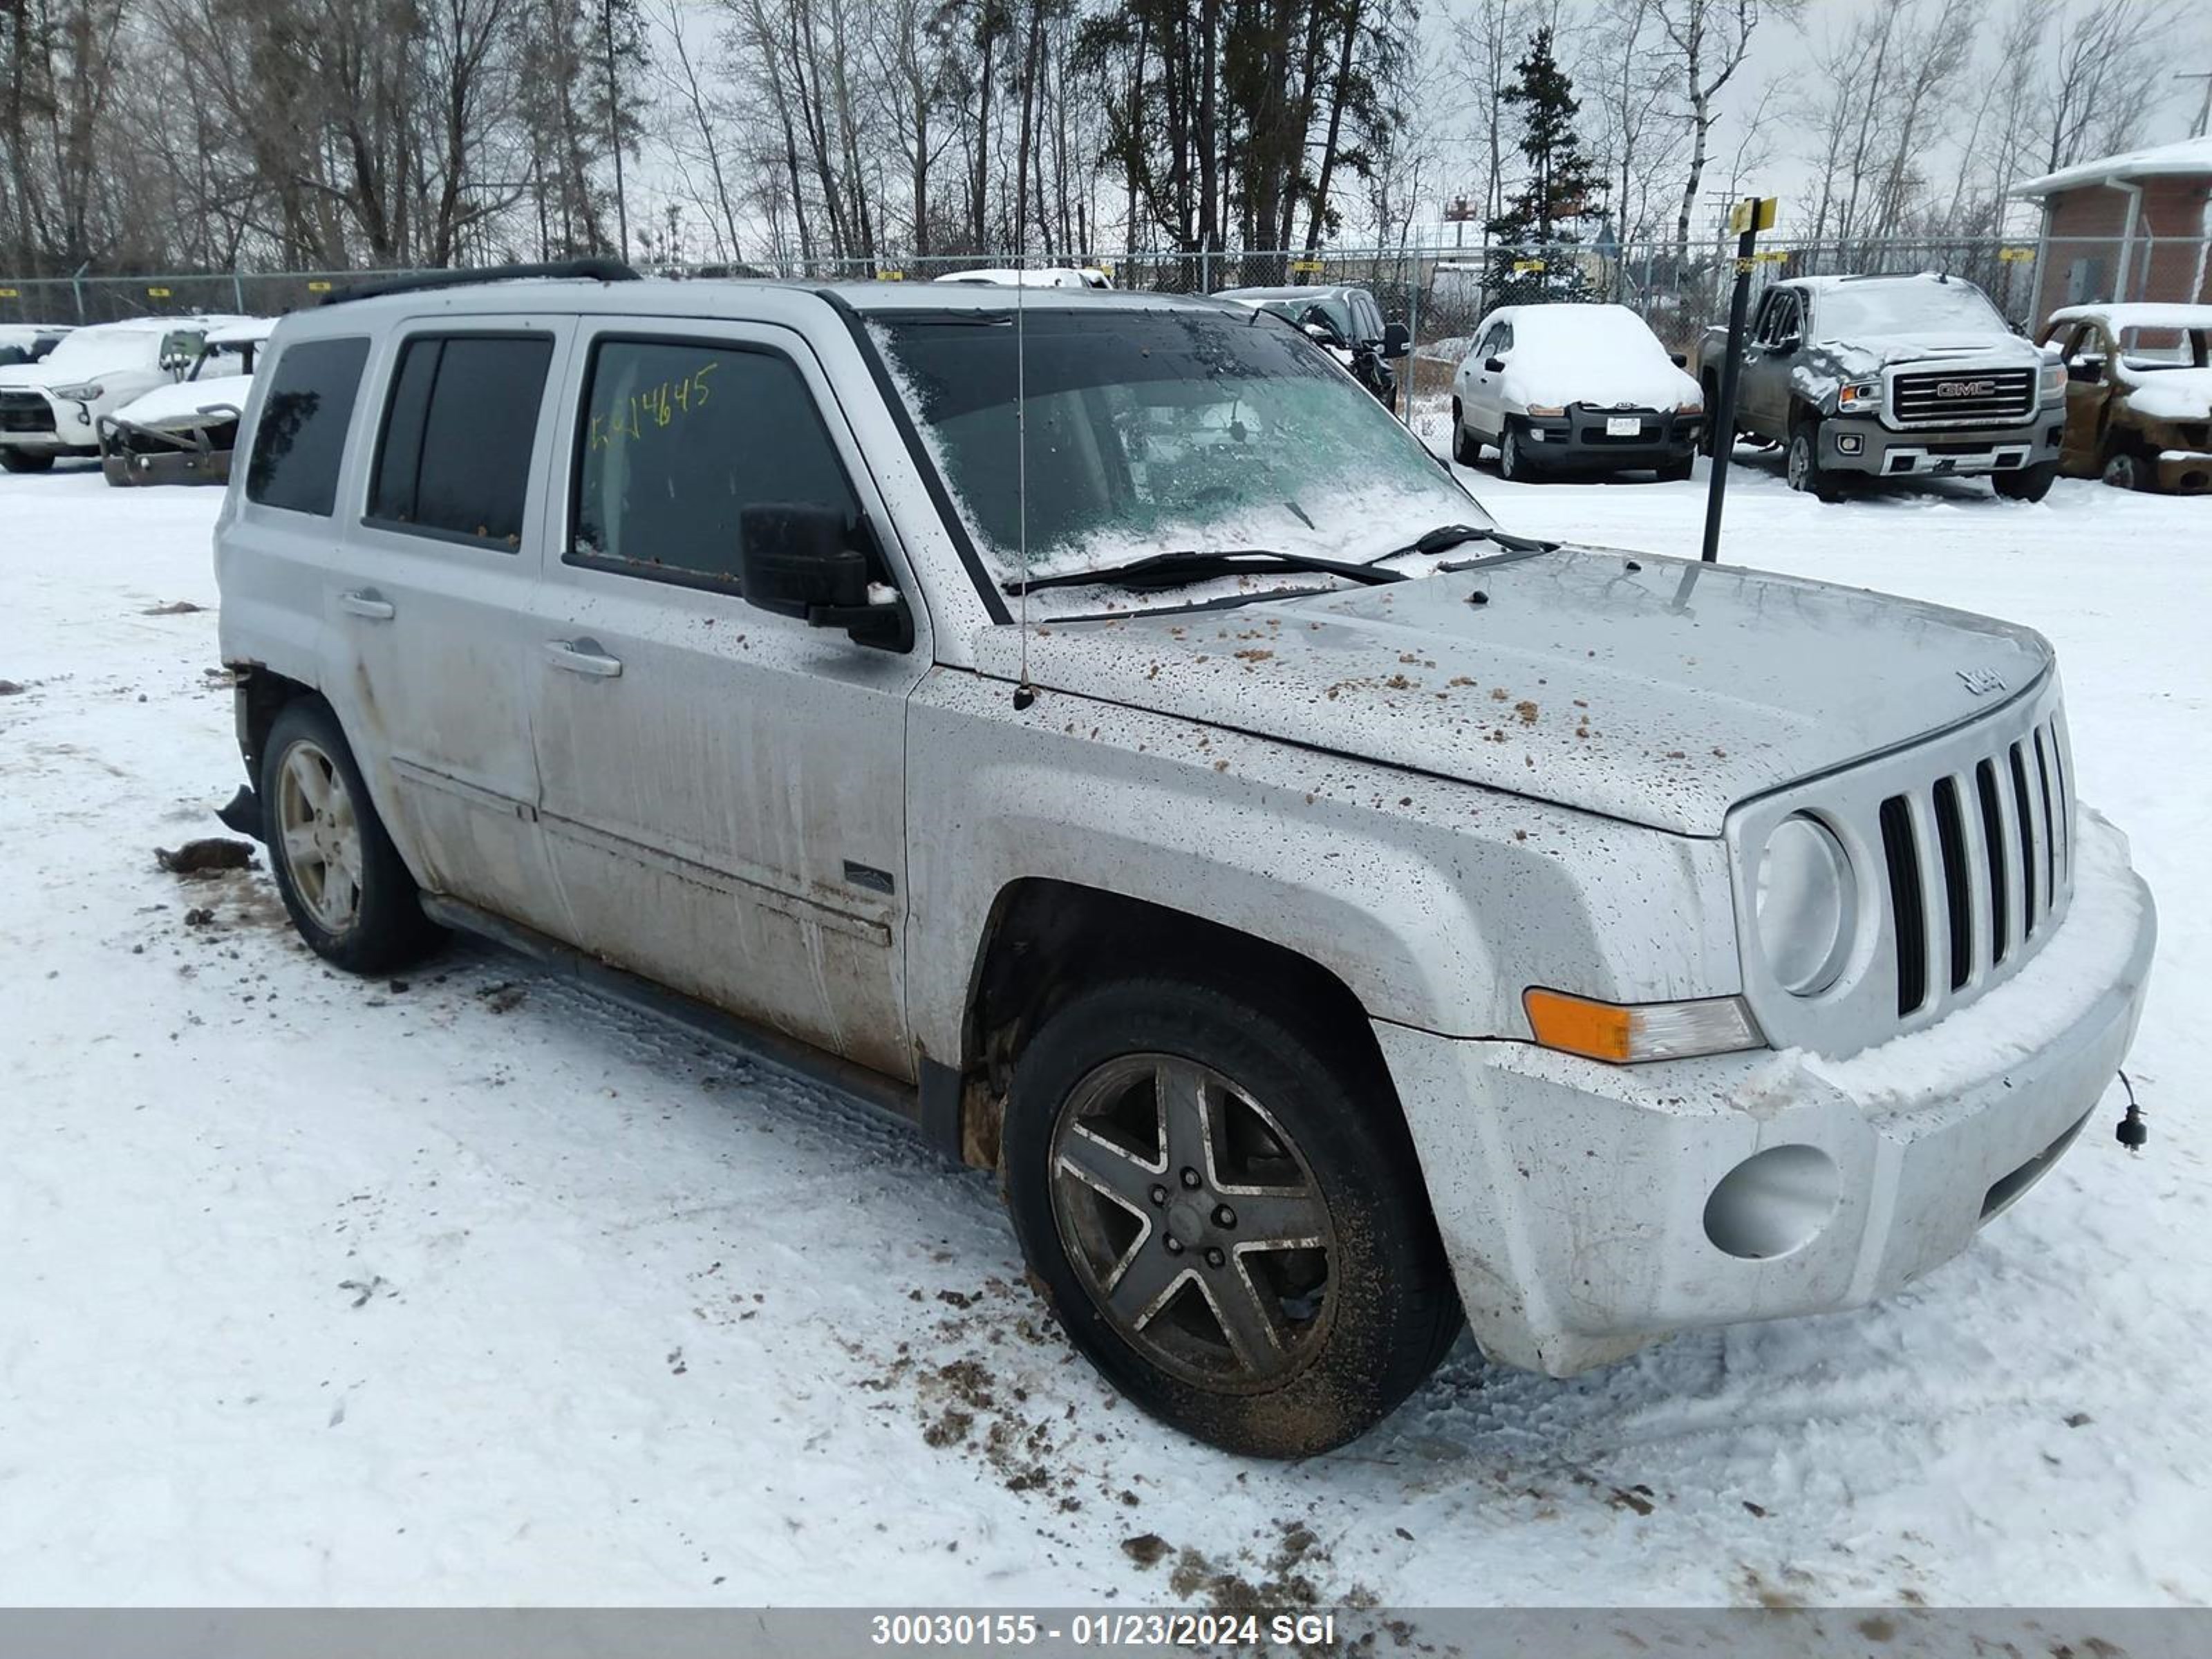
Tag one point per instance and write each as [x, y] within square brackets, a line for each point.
[301, 439]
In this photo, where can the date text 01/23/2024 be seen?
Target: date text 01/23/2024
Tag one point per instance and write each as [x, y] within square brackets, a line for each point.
[1104, 1630]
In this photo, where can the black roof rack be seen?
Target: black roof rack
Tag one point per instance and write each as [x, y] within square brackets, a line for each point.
[597, 269]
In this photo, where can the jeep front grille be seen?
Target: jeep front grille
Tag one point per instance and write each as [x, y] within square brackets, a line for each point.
[25, 411]
[1963, 397]
[1961, 853]
[1975, 860]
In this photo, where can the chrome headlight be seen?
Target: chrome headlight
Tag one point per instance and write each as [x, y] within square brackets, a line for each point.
[1858, 397]
[2054, 382]
[89, 392]
[1805, 900]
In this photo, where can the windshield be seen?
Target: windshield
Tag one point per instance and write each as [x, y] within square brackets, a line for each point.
[1852, 310]
[1156, 431]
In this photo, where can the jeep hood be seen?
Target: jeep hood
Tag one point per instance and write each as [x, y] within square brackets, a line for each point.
[1655, 690]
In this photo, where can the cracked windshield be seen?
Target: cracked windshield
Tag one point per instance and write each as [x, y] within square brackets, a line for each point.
[1162, 431]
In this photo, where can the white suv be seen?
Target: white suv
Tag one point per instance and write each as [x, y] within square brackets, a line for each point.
[53, 407]
[1327, 912]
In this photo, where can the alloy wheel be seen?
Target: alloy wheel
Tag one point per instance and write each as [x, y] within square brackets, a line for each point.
[320, 835]
[1194, 1223]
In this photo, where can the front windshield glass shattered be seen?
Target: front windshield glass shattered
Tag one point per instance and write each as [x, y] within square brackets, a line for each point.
[1151, 432]
[1854, 311]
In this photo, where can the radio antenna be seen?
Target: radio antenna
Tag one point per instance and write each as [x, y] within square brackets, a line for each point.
[1024, 693]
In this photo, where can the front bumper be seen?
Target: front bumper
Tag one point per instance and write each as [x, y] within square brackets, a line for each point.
[1579, 439]
[1849, 444]
[1573, 1197]
[2184, 471]
[159, 455]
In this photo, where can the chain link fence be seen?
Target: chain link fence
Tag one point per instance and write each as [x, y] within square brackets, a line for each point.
[1440, 292]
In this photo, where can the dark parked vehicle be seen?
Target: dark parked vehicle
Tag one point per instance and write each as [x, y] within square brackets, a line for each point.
[1892, 377]
[1345, 320]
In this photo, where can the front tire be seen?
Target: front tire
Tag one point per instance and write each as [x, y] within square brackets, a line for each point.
[1513, 463]
[1227, 1215]
[348, 890]
[2028, 484]
[2125, 469]
[25, 460]
[1804, 469]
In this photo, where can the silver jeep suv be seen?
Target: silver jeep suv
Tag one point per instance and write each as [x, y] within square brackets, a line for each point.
[1087, 724]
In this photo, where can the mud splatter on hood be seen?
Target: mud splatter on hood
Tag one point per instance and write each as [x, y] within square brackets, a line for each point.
[1652, 689]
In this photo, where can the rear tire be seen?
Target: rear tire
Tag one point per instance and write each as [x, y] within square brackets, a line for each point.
[2125, 469]
[1708, 440]
[25, 460]
[2028, 484]
[1467, 448]
[1676, 471]
[348, 890]
[1161, 1136]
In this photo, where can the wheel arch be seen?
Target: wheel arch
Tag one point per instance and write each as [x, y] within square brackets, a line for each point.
[1045, 939]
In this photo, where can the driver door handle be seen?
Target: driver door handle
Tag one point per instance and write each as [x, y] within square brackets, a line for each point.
[363, 602]
[582, 657]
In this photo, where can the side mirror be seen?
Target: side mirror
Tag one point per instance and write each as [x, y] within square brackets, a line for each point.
[1397, 340]
[795, 559]
[1494, 365]
[1678, 359]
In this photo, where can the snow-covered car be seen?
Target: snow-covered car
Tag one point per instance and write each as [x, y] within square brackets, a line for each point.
[1346, 322]
[1328, 913]
[183, 431]
[1032, 276]
[2138, 394]
[1570, 387]
[29, 343]
[52, 407]
[1891, 377]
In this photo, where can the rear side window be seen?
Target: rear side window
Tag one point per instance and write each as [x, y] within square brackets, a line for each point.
[677, 439]
[454, 456]
[301, 437]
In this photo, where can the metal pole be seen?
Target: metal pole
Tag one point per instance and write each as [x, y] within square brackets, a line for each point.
[1723, 419]
[1413, 341]
[614, 123]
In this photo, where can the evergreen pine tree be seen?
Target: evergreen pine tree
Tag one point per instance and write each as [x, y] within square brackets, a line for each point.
[1542, 219]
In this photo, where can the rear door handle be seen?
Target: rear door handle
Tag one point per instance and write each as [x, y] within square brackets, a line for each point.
[582, 657]
[364, 603]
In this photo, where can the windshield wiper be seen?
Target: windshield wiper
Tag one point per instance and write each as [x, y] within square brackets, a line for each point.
[1446, 535]
[1196, 564]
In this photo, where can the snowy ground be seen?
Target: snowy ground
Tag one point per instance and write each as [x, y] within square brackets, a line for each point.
[469, 1290]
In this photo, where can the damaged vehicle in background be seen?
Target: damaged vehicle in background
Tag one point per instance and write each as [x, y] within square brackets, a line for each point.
[1573, 387]
[2138, 394]
[183, 433]
[1331, 916]
[53, 408]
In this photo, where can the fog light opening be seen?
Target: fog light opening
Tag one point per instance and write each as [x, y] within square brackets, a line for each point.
[1773, 1202]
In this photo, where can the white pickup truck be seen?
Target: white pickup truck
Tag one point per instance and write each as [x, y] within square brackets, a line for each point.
[1328, 913]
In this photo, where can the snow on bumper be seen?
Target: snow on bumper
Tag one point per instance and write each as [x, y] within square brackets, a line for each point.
[1572, 1196]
